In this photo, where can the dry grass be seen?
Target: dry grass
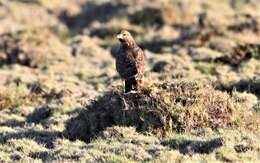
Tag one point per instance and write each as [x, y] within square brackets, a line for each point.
[30, 48]
[162, 108]
[61, 99]
[12, 98]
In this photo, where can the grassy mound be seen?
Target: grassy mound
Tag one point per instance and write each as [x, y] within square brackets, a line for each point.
[29, 48]
[161, 108]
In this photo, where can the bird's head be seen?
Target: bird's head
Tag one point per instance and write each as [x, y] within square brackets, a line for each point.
[125, 38]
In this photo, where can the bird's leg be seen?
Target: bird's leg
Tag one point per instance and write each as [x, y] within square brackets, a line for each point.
[137, 86]
[123, 82]
[134, 84]
[128, 86]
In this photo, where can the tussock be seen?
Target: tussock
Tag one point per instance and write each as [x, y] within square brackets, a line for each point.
[29, 48]
[160, 108]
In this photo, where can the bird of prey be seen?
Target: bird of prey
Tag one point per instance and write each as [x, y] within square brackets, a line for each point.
[129, 61]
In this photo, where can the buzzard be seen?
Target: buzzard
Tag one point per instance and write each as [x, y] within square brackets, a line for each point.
[129, 61]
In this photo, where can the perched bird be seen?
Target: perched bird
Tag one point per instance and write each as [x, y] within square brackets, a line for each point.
[129, 61]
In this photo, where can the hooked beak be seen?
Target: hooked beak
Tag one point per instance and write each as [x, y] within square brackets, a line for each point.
[119, 36]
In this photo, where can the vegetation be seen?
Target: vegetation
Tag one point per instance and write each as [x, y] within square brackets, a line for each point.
[62, 100]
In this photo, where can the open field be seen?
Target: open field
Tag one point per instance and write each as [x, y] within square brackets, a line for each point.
[61, 98]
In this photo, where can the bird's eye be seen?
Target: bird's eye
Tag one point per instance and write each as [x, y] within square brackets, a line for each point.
[124, 34]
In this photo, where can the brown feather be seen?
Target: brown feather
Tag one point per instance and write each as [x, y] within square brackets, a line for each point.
[130, 61]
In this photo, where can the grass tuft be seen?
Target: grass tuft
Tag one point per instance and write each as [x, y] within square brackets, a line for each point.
[161, 108]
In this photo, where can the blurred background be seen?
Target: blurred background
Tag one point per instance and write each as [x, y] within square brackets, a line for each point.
[52, 37]
[57, 55]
